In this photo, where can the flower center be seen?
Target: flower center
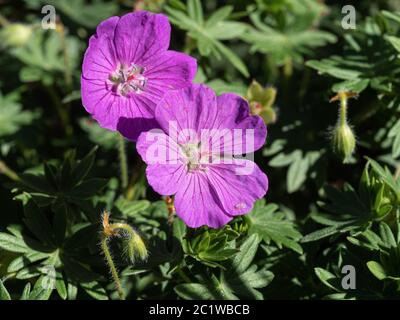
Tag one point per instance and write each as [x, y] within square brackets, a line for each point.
[127, 79]
[193, 156]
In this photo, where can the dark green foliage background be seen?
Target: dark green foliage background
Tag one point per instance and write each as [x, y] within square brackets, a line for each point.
[319, 214]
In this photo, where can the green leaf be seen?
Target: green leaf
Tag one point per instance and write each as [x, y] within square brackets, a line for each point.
[329, 279]
[194, 291]
[246, 254]
[209, 33]
[82, 168]
[27, 291]
[60, 286]
[12, 117]
[95, 290]
[273, 226]
[38, 223]
[43, 288]
[395, 41]
[88, 188]
[195, 10]
[4, 295]
[12, 243]
[131, 208]
[377, 270]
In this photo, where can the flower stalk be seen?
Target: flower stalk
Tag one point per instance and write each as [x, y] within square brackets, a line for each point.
[123, 161]
[111, 266]
[134, 247]
[4, 169]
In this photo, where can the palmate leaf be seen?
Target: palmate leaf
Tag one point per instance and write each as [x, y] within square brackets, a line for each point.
[354, 211]
[210, 33]
[300, 164]
[12, 117]
[211, 247]
[368, 60]
[386, 245]
[43, 55]
[61, 186]
[240, 280]
[295, 38]
[273, 226]
[54, 266]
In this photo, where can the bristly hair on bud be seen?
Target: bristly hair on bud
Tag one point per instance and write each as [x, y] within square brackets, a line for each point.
[343, 138]
[133, 246]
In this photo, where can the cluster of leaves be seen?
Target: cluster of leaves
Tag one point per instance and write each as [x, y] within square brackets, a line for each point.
[293, 244]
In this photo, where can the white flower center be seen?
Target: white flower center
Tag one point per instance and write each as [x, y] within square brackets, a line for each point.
[195, 159]
[127, 79]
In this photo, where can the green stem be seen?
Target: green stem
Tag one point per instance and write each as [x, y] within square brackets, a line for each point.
[113, 269]
[343, 109]
[4, 169]
[123, 162]
[130, 192]
[397, 173]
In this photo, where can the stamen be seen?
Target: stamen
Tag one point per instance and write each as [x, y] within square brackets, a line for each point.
[128, 79]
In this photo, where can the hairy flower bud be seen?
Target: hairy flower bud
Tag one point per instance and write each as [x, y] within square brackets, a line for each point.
[136, 248]
[15, 34]
[343, 141]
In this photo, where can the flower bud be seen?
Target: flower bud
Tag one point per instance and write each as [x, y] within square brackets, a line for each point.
[136, 248]
[261, 101]
[15, 34]
[343, 141]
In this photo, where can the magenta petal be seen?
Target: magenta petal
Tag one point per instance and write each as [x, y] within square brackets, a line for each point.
[234, 113]
[165, 171]
[238, 185]
[191, 108]
[107, 27]
[170, 70]
[140, 36]
[197, 204]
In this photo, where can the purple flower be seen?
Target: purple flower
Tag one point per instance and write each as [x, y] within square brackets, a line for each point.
[194, 155]
[127, 69]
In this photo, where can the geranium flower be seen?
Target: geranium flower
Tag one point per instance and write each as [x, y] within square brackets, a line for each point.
[194, 155]
[127, 69]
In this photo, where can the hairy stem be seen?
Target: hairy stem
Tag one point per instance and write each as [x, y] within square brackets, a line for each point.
[343, 109]
[131, 190]
[111, 265]
[123, 162]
